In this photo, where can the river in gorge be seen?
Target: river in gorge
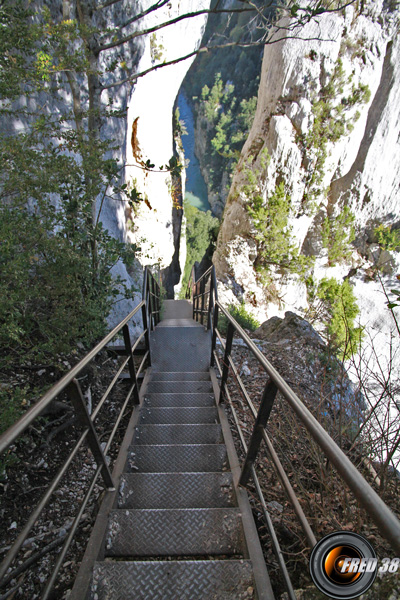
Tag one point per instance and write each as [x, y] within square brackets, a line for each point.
[196, 189]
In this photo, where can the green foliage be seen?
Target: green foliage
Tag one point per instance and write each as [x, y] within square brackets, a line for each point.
[240, 314]
[334, 304]
[56, 287]
[337, 235]
[201, 233]
[330, 124]
[156, 50]
[227, 123]
[388, 238]
[275, 244]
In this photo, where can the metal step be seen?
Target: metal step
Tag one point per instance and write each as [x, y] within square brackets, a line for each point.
[174, 532]
[177, 309]
[179, 323]
[180, 415]
[180, 387]
[177, 434]
[176, 490]
[177, 458]
[180, 349]
[180, 376]
[159, 400]
[173, 580]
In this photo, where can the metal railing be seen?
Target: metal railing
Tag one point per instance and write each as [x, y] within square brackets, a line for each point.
[149, 308]
[206, 309]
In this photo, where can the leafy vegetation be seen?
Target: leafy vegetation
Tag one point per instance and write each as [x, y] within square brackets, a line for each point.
[330, 124]
[334, 305]
[388, 238]
[242, 316]
[55, 175]
[275, 244]
[201, 234]
[337, 235]
[226, 121]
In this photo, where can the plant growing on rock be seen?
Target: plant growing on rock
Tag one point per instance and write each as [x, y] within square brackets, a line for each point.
[329, 125]
[337, 235]
[270, 216]
[334, 307]
[388, 238]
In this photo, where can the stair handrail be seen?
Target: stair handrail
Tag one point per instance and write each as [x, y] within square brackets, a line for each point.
[386, 521]
[69, 383]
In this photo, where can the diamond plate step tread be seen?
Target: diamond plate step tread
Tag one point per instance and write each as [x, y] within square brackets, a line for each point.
[179, 323]
[176, 490]
[173, 580]
[169, 387]
[177, 434]
[180, 376]
[181, 415]
[174, 400]
[177, 309]
[177, 458]
[180, 349]
[174, 532]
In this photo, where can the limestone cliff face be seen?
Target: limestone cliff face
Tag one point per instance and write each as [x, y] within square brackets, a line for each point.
[347, 63]
[150, 115]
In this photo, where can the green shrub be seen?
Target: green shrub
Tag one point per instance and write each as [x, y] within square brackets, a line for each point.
[240, 314]
[388, 238]
[330, 124]
[228, 123]
[275, 244]
[334, 304]
[337, 235]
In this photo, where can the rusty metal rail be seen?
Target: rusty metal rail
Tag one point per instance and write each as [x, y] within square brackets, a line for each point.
[149, 308]
[206, 309]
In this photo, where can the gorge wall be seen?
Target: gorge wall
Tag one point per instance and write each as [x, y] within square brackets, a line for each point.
[157, 230]
[327, 129]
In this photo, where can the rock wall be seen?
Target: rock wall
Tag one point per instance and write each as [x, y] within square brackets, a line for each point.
[157, 229]
[361, 165]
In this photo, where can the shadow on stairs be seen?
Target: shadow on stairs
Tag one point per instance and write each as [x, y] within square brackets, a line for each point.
[178, 527]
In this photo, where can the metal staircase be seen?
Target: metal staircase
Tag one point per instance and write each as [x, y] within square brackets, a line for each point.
[178, 529]
[175, 520]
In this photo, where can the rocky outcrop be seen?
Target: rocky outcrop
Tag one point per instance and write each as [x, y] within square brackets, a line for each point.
[292, 326]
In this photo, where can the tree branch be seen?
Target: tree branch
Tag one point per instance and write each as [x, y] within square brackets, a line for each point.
[136, 34]
[261, 42]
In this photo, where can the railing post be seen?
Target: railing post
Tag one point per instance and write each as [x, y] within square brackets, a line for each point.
[228, 349]
[158, 294]
[154, 297]
[192, 284]
[75, 394]
[131, 364]
[146, 331]
[264, 411]
[214, 335]
[150, 300]
[202, 291]
[210, 303]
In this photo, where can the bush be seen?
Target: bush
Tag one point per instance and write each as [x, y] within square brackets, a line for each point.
[275, 244]
[335, 306]
[240, 314]
[337, 235]
[388, 238]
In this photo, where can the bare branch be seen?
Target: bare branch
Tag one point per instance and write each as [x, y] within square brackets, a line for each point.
[136, 34]
[263, 42]
[106, 4]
